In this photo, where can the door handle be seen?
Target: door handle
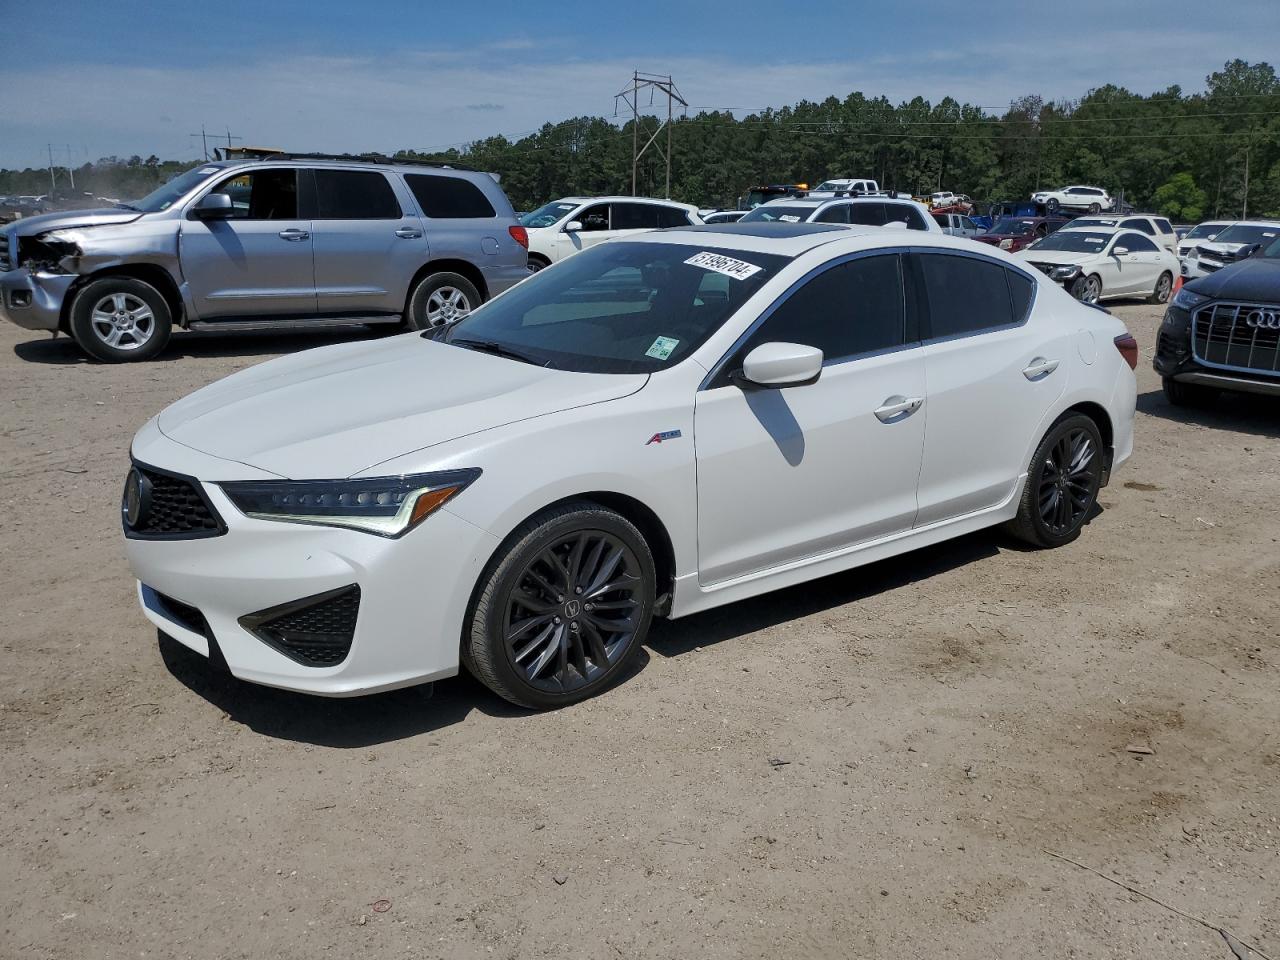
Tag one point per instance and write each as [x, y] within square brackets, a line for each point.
[898, 408]
[1039, 368]
[293, 234]
[408, 233]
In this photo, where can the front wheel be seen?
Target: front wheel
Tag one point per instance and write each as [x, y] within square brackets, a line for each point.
[1181, 394]
[562, 608]
[1062, 484]
[440, 299]
[1087, 289]
[120, 320]
[1095, 208]
[1164, 286]
[1052, 204]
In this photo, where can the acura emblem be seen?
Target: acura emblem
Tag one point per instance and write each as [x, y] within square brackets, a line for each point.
[1265, 319]
[137, 498]
[572, 609]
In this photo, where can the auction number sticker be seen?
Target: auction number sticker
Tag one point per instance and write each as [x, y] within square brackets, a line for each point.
[662, 348]
[738, 269]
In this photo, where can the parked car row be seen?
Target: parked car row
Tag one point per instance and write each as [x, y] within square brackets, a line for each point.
[1234, 242]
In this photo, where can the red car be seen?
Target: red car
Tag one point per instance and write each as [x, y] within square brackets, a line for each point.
[1014, 233]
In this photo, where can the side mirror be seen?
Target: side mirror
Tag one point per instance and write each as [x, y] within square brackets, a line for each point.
[213, 206]
[573, 226]
[777, 365]
[1119, 251]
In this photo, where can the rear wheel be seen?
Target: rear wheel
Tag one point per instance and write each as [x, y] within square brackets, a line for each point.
[537, 262]
[1087, 289]
[1062, 484]
[440, 299]
[1181, 394]
[1164, 286]
[120, 320]
[563, 607]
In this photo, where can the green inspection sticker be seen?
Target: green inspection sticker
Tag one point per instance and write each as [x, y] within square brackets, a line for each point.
[662, 348]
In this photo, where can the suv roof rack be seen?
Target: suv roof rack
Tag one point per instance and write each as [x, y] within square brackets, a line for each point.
[250, 154]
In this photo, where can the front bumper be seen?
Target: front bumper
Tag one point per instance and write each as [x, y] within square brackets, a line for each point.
[413, 591]
[1175, 360]
[33, 300]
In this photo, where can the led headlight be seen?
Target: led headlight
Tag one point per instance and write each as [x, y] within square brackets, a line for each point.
[1064, 272]
[1186, 300]
[386, 506]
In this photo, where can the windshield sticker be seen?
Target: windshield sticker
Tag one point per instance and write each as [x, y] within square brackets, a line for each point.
[662, 347]
[1095, 239]
[206, 171]
[789, 218]
[738, 269]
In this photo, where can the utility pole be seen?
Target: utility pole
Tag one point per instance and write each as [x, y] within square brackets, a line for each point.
[630, 95]
[1248, 145]
[204, 141]
[53, 183]
[70, 172]
[229, 139]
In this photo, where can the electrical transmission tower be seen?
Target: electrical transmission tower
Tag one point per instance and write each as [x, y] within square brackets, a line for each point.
[630, 95]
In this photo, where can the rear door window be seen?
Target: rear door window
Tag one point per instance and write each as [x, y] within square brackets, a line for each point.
[354, 195]
[902, 212]
[1140, 223]
[836, 213]
[1164, 225]
[1136, 243]
[868, 214]
[672, 217]
[449, 197]
[635, 216]
[966, 294]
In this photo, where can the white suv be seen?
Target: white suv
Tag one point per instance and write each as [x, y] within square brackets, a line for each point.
[1092, 199]
[1157, 228]
[563, 227]
[864, 211]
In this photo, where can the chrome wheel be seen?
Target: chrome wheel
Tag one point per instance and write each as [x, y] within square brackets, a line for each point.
[447, 305]
[1068, 482]
[122, 321]
[573, 611]
[1163, 286]
[1088, 289]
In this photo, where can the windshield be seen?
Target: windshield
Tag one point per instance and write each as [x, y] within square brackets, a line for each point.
[548, 215]
[1203, 230]
[162, 198]
[1013, 226]
[1074, 241]
[1096, 222]
[618, 307]
[831, 186]
[1248, 233]
[771, 213]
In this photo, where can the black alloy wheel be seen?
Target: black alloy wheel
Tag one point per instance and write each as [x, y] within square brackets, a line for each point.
[1062, 486]
[564, 608]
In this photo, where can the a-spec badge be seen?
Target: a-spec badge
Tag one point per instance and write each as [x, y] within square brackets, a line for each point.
[664, 435]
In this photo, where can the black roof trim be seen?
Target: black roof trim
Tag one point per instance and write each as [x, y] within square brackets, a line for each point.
[377, 158]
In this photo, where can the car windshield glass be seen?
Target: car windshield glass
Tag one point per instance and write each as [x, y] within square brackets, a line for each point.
[1203, 230]
[831, 186]
[1013, 226]
[1247, 233]
[619, 307]
[775, 212]
[1094, 222]
[1272, 250]
[162, 198]
[548, 215]
[1074, 241]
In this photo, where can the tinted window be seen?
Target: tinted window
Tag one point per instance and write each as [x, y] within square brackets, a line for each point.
[354, 195]
[635, 216]
[672, 217]
[262, 195]
[1143, 225]
[1164, 225]
[941, 220]
[868, 214]
[1136, 242]
[771, 212]
[594, 218]
[966, 294]
[1021, 290]
[852, 308]
[901, 212]
[441, 196]
[837, 213]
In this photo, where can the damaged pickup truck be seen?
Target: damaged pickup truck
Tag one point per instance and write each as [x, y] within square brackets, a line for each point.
[286, 242]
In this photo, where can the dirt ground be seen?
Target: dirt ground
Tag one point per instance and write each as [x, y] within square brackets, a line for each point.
[878, 764]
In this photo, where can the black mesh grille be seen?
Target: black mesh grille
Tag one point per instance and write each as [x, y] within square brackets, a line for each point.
[315, 630]
[176, 509]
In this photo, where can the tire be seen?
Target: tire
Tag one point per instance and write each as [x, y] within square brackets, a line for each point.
[1052, 205]
[439, 299]
[537, 262]
[1181, 394]
[120, 320]
[1087, 289]
[534, 643]
[1056, 503]
[1164, 287]
[1095, 208]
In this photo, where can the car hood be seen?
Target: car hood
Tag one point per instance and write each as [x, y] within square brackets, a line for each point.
[1225, 251]
[1064, 257]
[30, 226]
[1256, 280]
[335, 411]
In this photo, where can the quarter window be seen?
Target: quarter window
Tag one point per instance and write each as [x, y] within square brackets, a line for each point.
[449, 197]
[850, 309]
[967, 295]
[901, 212]
[354, 195]
[672, 217]
[270, 194]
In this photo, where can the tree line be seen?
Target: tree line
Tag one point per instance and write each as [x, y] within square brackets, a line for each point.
[1214, 153]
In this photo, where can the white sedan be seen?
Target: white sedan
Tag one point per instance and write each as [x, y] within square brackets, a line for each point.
[656, 427]
[1105, 263]
[564, 227]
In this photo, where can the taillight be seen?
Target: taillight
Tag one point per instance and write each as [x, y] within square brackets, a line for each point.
[1128, 348]
[520, 235]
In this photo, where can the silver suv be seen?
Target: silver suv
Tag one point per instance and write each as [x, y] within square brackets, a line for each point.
[282, 242]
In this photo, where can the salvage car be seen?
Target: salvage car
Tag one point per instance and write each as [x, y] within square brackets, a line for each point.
[1015, 233]
[1091, 199]
[867, 211]
[723, 216]
[1206, 231]
[288, 242]
[657, 426]
[1158, 229]
[1237, 242]
[1221, 333]
[564, 227]
[956, 224]
[1097, 265]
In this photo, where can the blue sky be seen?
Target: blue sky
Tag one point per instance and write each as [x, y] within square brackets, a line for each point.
[124, 77]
